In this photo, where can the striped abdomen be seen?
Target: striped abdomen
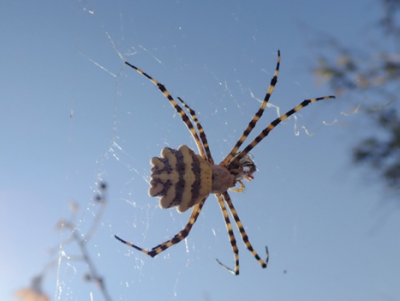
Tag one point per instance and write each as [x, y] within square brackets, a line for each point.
[180, 178]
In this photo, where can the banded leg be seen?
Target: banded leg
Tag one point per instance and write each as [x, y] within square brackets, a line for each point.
[243, 233]
[256, 116]
[232, 238]
[200, 129]
[277, 121]
[180, 111]
[176, 239]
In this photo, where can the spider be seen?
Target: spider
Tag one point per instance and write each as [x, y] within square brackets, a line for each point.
[183, 179]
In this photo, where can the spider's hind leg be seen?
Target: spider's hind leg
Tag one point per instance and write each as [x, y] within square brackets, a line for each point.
[176, 239]
[174, 104]
[200, 129]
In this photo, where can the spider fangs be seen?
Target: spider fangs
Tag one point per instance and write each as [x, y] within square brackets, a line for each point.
[246, 167]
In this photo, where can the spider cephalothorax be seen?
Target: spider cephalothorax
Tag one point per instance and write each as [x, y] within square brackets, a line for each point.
[184, 179]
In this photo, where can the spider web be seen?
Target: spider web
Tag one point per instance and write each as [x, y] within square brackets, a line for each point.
[118, 121]
[143, 122]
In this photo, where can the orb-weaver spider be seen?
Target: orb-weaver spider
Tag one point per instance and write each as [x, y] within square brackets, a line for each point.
[183, 179]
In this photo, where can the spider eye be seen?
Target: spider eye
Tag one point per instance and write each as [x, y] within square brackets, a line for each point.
[248, 167]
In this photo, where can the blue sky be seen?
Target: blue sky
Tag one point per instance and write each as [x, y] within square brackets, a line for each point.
[325, 225]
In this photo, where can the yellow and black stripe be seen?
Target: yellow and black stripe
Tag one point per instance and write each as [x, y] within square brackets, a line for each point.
[183, 179]
[256, 116]
[232, 238]
[176, 239]
[180, 178]
[243, 233]
[200, 129]
[180, 111]
[274, 123]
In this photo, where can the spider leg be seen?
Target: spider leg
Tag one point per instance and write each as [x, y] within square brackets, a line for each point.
[243, 233]
[239, 190]
[256, 116]
[180, 111]
[200, 129]
[176, 239]
[277, 121]
[231, 236]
